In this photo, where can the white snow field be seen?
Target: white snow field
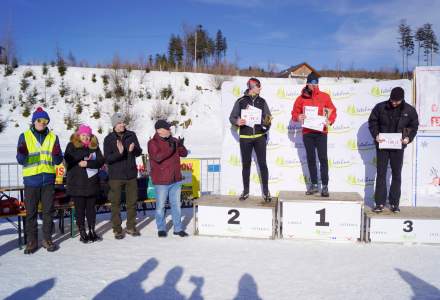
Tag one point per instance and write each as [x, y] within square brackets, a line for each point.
[148, 267]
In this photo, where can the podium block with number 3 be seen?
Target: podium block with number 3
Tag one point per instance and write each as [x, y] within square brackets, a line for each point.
[337, 218]
[227, 216]
[411, 225]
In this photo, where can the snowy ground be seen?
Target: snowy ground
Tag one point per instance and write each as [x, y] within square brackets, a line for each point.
[215, 268]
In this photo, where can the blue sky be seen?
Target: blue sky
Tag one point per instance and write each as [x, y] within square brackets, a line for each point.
[362, 34]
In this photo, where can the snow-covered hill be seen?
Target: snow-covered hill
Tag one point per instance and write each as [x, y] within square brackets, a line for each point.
[195, 99]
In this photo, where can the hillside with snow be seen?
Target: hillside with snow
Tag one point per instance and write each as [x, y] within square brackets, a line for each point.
[90, 95]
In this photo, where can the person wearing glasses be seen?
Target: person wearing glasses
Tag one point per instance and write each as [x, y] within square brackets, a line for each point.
[39, 151]
[391, 116]
[253, 137]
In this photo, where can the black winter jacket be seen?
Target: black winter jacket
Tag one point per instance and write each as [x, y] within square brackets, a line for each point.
[380, 120]
[121, 166]
[78, 182]
[243, 103]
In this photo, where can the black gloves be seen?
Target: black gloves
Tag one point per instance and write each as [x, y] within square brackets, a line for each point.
[180, 142]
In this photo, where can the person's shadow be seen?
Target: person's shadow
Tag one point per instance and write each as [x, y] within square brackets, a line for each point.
[294, 133]
[247, 288]
[129, 287]
[420, 288]
[370, 164]
[168, 289]
[197, 293]
[33, 292]
[367, 157]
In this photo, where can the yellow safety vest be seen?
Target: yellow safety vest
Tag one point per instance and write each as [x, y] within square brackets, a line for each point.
[39, 159]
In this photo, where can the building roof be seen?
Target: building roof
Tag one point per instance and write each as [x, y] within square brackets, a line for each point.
[285, 73]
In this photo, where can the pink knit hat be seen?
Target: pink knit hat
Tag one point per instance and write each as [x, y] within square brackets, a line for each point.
[84, 129]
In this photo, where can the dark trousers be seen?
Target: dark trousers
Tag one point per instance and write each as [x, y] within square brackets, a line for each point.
[85, 207]
[131, 194]
[395, 158]
[313, 142]
[246, 147]
[32, 196]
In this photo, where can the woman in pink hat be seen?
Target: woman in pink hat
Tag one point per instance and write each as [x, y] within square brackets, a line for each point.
[84, 159]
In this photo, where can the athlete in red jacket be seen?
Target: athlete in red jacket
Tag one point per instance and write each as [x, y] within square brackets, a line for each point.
[312, 96]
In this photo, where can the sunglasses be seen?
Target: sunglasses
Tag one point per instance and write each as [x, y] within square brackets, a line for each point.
[43, 121]
[254, 85]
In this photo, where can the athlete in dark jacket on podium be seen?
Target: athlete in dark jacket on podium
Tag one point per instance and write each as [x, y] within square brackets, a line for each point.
[391, 116]
[253, 137]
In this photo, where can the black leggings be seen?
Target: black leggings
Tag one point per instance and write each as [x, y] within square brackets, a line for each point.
[85, 206]
[317, 141]
[246, 147]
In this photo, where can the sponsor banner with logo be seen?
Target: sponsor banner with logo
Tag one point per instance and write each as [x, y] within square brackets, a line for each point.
[351, 149]
[427, 82]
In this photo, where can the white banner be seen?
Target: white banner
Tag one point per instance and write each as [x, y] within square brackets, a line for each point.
[428, 97]
[427, 170]
[351, 150]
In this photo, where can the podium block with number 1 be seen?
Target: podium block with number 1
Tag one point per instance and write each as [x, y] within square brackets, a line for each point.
[338, 217]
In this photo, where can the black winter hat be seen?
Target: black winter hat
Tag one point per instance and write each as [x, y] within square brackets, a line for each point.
[397, 94]
[312, 78]
[162, 124]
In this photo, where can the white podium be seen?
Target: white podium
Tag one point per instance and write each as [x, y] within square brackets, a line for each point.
[216, 215]
[412, 225]
[336, 218]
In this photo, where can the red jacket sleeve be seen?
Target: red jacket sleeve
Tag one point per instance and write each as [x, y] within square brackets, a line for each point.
[329, 104]
[155, 153]
[297, 108]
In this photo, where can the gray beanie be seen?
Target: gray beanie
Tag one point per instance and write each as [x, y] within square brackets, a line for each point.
[117, 118]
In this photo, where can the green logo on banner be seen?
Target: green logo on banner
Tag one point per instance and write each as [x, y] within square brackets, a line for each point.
[339, 163]
[236, 91]
[380, 92]
[353, 180]
[352, 110]
[355, 145]
[281, 93]
[232, 192]
[234, 161]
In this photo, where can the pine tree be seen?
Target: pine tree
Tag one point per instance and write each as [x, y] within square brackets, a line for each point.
[172, 51]
[406, 44]
[178, 51]
[219, 46]
[430, 43]
[419, 37]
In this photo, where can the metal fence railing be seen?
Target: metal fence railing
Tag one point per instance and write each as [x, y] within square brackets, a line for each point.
[210, 175]
[11, 175]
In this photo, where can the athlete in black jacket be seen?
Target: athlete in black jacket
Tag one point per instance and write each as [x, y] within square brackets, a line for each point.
[253, 138]
[391, 116]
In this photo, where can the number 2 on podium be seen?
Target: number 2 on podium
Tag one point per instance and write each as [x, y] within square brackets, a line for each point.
[233, 219]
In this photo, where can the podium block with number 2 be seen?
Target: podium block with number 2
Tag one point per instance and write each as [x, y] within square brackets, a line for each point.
[337, 218]
[226, 216]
